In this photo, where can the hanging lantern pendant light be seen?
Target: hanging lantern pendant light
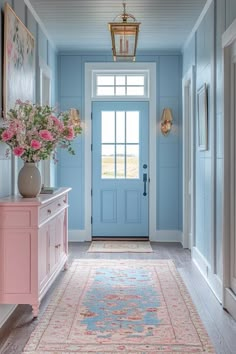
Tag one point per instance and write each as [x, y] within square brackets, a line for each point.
[124, 36]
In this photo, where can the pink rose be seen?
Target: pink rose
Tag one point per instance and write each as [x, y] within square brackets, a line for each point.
[7, 135]
[18, 151]
[57, 122]
[46, 135]
[69, 133]
[35, 144]
[18, 101]
[16, 127]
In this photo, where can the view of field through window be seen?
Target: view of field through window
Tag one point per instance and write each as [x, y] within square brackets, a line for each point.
[120, 144]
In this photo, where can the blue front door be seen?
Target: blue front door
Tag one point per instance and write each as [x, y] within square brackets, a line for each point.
[120, 169]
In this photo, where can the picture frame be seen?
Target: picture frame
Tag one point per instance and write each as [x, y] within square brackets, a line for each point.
[19, 61]
[202, 115]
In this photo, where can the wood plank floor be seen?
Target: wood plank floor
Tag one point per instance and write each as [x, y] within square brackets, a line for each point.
[219, 324]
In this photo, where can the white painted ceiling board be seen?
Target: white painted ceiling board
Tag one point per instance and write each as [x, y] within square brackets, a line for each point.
[83, 25]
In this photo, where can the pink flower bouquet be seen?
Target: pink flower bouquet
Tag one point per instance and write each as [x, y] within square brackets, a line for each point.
[33, 132]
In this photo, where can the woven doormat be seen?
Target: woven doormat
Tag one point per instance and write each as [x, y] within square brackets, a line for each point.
[120, 246]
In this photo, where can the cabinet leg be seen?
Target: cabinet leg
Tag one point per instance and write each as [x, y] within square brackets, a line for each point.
[35, 310]
[66, 266]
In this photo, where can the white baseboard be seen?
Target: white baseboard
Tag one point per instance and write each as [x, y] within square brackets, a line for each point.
[166, 236]
[156, 236]
[212, 279]
[5, 312]
[78, 236]
[230, 302]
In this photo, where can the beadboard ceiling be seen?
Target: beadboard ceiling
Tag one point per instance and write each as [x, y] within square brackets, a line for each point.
[82, 24]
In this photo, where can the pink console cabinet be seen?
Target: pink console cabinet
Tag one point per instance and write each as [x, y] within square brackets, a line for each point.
[33, 246]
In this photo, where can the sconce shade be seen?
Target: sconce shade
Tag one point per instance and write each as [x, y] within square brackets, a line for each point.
[124, 37]
[166, 121]
[74, 116]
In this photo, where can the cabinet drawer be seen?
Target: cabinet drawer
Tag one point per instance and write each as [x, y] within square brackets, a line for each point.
[45, 212]
[52, 208]
[59, 203]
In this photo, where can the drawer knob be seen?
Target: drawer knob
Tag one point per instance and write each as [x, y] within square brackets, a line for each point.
[49, 211]
[59, 204]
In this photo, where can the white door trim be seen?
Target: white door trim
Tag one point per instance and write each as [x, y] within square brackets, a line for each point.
[229, 298]
[188, 83]
[45, 71]
[89, 68]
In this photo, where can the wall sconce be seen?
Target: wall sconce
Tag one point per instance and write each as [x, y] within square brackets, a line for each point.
[74, 116]
[166, 121]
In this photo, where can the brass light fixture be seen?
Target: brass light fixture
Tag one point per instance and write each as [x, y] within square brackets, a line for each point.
[124, 36]
[166, 121]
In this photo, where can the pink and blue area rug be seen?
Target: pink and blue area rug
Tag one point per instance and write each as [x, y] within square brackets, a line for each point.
[124, 306]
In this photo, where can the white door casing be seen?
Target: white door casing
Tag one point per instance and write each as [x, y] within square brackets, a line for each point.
[229, 170]
[188, 91]
[233, 172]
[45, 99]
[89, 69]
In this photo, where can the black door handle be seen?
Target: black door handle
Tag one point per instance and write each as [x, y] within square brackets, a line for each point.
[145, 184]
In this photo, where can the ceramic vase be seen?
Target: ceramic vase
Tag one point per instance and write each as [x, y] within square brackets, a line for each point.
[29, 180]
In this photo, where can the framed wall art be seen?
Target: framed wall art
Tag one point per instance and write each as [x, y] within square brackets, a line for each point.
[202, 117]
[19, 61]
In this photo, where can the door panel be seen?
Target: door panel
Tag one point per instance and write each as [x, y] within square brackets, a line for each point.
[233, 174]
[108, 202]
[120, 150]
[132, 206]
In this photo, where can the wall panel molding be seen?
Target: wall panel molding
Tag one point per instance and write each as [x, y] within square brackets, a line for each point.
[204, 267]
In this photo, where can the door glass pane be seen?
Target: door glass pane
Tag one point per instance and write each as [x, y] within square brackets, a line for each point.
[132, 161]
[108, 127]
[120, 127]
[120, 161]
[120, 144]
[132, 127]
[135, 80]
[108, 161]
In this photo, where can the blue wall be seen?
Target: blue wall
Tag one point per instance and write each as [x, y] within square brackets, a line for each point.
[169, 164]
[204, 50]
[169, 149]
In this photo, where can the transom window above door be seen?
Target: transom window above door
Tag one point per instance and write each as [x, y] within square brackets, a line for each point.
[121, 84]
